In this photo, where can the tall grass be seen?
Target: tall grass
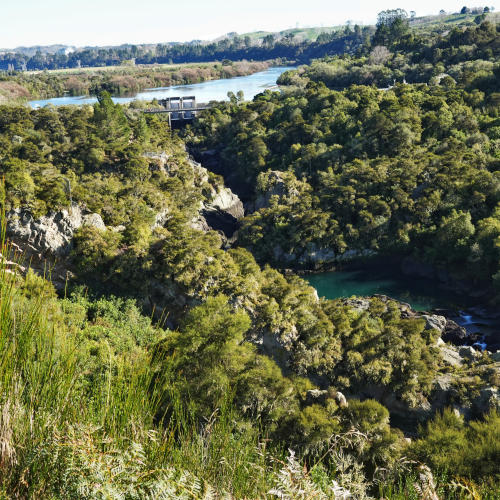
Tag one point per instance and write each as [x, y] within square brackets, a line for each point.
[61, 438]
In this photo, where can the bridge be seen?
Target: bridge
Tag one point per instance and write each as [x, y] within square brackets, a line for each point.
[179, 109]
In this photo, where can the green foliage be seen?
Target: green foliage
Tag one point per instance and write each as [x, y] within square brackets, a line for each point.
[470, 450]
[392, 25]
[412, 169]
[96, 400]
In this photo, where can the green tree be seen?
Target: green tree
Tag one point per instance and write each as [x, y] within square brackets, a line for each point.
[111, 126]
[391, 26]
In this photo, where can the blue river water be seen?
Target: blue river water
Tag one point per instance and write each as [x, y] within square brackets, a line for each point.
[422, 294]
[213, 90]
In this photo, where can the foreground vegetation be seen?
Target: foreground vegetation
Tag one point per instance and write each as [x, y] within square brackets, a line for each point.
[94, 406]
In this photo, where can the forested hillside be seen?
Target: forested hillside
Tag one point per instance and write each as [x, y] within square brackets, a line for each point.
[146, 353]
[411, 169]
[298, 45]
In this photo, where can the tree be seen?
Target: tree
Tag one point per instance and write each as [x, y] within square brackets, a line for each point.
[442, 12]
[465, 10]
[391, 26]
[111, 124]
[268, 41]
[206, 355]
[379, 55]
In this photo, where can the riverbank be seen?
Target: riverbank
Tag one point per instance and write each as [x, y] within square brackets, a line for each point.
[473, 312]
[213, 90]
[121, 81]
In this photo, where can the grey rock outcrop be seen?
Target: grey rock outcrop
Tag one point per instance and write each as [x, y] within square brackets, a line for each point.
[450, 355]
[316, 396]
[488, 399]
[278, 187]
[469, 353]
[51, 233]
[318, 257]
[225, 200]
[454, 333]
[341, 400]
[434, 322]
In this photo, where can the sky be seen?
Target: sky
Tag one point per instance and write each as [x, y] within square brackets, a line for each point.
[113, 22]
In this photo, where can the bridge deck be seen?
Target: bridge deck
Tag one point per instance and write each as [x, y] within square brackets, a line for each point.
[179, 109]
[176, 110]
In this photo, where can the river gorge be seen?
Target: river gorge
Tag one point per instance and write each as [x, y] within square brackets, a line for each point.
[481, 322]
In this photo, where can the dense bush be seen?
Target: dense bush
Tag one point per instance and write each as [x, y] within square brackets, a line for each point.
[410, 170]
[235, 362]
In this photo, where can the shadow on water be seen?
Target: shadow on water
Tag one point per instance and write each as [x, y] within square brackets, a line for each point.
[421, 294]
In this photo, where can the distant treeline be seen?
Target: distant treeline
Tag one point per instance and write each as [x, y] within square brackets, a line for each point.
[235, 48]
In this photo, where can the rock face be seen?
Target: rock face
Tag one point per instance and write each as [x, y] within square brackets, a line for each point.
[221, 209]
[448, 385]
[454, 333]
[434, 322]
[316, 257]
[278, 186]
[226, 201]
[52, 233]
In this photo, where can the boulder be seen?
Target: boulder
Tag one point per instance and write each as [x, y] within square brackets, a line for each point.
[226, 201]
[316, 396]
[51, 233]
[488, 399]
[94, 220]
[341, 400]
[468, 352]
[441, 390]
[434, 322]
[454, 333]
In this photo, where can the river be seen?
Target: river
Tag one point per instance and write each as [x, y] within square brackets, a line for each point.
[421, 294]
[212, 90]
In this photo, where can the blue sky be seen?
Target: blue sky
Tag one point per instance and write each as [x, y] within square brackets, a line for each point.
[112, 22]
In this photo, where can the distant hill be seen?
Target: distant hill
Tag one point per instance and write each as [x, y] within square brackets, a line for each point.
[299, 45]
